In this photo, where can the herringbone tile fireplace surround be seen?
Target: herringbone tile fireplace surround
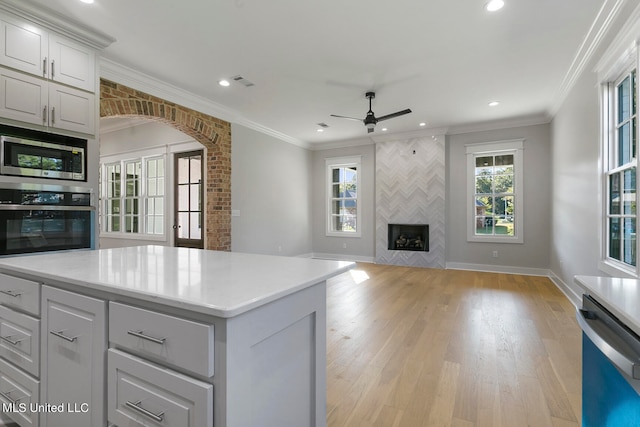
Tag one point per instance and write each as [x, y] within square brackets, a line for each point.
[410, 189]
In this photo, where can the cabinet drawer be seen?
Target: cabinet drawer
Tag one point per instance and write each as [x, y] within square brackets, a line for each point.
[143, 394]
[20, 293]
[20, 340]
[17, 392]
[161, 337]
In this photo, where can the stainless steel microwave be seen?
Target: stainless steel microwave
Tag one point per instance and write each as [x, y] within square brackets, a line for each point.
[43, 159]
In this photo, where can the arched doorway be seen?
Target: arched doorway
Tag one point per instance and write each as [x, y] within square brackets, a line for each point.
[117, 100]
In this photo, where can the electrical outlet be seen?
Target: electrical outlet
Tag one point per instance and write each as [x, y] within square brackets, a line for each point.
[495, 254]
[344, 246]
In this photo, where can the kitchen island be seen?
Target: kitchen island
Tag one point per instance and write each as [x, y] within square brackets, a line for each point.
[154, 335]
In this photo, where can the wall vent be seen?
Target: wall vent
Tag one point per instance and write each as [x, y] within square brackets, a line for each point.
[242, 81]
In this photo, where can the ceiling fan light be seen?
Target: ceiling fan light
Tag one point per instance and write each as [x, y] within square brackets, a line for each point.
[370, 125]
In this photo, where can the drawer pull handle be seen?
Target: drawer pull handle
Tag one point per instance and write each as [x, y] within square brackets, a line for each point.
[11, 293]
[139, 334]
[10, 341]
[60, 334]
[6, 395]
[136, 406]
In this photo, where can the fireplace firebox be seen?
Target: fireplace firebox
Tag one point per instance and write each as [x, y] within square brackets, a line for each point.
[408, 237]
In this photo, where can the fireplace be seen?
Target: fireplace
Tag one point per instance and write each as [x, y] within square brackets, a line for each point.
[409, 237]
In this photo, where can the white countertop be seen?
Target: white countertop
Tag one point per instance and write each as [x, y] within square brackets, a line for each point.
[222, 284]
[620, 296]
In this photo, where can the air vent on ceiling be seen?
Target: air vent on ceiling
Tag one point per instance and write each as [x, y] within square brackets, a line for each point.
[323, 125]
[242, 81]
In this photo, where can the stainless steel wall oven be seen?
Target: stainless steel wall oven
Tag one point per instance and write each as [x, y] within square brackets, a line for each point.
[25, 152]
[38, 218]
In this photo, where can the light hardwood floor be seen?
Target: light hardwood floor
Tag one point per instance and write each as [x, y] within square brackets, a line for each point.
[419, 347]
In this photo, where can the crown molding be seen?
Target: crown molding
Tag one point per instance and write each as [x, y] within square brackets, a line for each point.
[119, 73]
[536, 119]
[54, 21]
[599, 28]
[623, 49]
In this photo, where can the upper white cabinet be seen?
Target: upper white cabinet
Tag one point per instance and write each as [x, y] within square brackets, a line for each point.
[28, 48]
[32, 100]
[24, 47]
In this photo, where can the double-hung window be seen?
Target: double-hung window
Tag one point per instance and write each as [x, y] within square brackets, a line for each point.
[620, 165]
[133, 196]
[494, 192]
[343, 203]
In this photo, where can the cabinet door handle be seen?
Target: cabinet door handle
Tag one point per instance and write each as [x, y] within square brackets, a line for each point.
[136, 406]
[53, 63]
[53, 115]
[6, 395]
[11, 293]
[60, 334]
[139, 334]
[44, 114]
[10, 341]
[44, 67]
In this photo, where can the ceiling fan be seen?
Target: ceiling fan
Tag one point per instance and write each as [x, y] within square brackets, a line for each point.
[371, 120]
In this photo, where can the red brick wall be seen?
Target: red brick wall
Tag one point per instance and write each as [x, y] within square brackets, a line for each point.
[117, 100]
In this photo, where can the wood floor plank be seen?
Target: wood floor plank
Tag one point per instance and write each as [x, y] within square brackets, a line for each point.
[427, 347]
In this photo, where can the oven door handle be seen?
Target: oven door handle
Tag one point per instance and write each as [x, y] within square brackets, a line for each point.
[594, 328]
[45, 208]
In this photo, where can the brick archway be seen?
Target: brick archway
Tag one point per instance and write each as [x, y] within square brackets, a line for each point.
[117, 100]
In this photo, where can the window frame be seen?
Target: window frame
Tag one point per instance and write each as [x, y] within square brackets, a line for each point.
[141, 199]
[330, 165]
[496, 148]
[617, 73]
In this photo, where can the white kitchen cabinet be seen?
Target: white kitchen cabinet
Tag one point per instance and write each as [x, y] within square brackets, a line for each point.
[74, 341]
[18, 391]
[142, 393]
[23, 46]
[71, 63]
[31, 49]
[33, 100]
[166, 339]
[20, 340]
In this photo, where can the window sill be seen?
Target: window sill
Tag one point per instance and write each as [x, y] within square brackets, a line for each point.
[617, 270]
[342, 234]
[495, 239]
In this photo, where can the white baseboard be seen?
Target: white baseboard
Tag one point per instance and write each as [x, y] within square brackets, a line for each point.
[571, 295]
[343, 257]
[525, 271]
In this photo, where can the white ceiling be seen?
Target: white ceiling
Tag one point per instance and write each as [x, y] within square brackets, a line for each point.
[444, 59]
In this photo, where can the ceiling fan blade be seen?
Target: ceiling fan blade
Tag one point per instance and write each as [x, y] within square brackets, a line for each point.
[345, 117]
[392, 115]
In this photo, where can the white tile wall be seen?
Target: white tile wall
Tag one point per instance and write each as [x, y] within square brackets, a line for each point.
[410, 189]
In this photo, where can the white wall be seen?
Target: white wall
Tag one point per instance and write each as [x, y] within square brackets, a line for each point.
[353, 248]
[576, 199]
[534, 252]
[129, 142]
[270, 195]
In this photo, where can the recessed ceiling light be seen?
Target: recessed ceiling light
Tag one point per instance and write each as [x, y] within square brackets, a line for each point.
[224, 83]
[87, 1]
[320, 130]
[494, 104]
[384, 129]
[494, 5]
[423, 124]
